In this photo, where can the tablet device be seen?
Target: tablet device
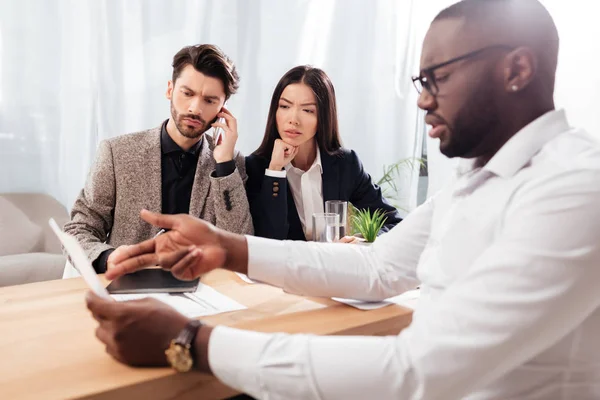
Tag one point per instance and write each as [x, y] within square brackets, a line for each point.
[151, 280]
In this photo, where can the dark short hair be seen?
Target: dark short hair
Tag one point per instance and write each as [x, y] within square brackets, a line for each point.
[328, 136]
[209, 60]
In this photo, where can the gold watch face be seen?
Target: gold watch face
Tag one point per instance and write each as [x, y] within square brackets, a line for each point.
[179, 357]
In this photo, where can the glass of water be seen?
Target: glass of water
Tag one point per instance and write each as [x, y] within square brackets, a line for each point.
[325, 227]
[340, 208]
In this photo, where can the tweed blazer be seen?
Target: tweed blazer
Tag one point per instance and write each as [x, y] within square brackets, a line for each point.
[126, 177]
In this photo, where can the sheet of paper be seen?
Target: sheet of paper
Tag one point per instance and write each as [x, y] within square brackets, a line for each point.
[79, 260]
[244, 278]
[204, 301]
[211, 298]
[408, 299]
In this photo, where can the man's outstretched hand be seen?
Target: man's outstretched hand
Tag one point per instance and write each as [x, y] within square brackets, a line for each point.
[189, 248]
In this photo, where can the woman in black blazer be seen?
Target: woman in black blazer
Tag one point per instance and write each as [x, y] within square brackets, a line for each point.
[301, 163]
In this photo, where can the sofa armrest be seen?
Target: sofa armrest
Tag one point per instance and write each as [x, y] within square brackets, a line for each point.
[18, 269]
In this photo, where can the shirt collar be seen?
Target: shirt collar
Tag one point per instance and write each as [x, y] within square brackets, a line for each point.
[521, 148]
[168, 145]
[316, 164]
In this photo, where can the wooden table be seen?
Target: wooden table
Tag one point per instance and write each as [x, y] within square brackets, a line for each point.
[48, 349]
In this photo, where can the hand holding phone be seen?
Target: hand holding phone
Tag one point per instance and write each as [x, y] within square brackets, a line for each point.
[225, 136]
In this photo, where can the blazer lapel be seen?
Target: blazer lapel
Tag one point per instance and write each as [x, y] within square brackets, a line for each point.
[152, 173]
[206, 164]
[149, 194]
[296, 232]
[330, 177]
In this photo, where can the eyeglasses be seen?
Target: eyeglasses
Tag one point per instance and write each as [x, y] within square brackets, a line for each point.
[426, 80]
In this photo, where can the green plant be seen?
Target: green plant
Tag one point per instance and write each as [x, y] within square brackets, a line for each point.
[389, 188]
[389, 182]
[368, 223]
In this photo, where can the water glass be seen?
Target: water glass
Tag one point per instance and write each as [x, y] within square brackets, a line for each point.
[340, 208]
[325, 227]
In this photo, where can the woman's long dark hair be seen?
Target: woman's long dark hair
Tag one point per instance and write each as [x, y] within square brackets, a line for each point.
[328, 136]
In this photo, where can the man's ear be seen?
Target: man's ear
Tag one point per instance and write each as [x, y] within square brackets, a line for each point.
[520, 69]
[169, 93]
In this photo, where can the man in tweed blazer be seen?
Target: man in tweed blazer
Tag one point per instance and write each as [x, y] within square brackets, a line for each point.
[173, 168]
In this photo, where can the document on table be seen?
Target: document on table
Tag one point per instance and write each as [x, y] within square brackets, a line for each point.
[201, 303]
[408, 299]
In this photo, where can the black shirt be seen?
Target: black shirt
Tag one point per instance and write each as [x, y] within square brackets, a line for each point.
[178, 170]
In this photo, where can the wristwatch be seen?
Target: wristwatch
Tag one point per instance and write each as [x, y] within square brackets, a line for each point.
[179, 353]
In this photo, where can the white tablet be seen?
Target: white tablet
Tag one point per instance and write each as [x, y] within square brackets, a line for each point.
[79, 260]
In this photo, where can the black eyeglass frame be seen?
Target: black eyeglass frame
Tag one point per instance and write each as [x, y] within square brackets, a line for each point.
[432, 87]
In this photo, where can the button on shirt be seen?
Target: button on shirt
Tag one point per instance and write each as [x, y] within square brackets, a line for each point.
[507, 257]
[307, 190]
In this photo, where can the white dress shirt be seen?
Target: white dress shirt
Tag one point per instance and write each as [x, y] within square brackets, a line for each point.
[508, 261]
[307, 190]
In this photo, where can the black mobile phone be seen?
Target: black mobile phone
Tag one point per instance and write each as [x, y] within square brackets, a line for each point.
[151, 280]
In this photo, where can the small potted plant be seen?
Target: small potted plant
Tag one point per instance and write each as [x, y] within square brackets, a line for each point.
[367, 223]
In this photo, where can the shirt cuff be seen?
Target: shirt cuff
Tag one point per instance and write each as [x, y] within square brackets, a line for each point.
[99, 263]
[267, 260]
[276, 174]
[225, 168]
[245, 347]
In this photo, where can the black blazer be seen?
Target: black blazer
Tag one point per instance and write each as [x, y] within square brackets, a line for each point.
[274, 212]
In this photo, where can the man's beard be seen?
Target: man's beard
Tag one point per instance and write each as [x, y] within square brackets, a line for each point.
[475, 122]
[186, 130]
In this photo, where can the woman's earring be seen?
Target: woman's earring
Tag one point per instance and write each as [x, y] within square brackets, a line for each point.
[514, 88]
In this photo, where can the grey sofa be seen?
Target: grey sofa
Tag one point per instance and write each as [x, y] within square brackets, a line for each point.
[29, 250]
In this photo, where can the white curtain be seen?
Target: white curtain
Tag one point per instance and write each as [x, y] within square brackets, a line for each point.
[74, 72]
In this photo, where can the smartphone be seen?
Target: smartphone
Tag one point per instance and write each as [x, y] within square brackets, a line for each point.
[219, 132]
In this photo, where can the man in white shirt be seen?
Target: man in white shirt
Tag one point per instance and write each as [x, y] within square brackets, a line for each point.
[506, 255]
